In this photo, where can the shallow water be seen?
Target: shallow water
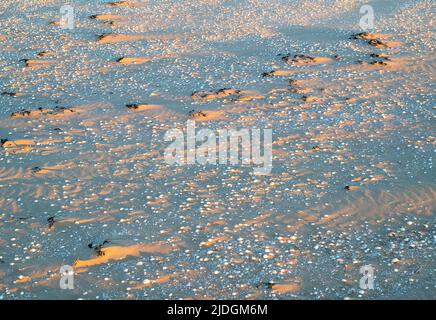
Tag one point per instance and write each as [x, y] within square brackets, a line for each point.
[217, 231]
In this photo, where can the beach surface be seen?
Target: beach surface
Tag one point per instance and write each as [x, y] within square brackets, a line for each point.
[83, 181]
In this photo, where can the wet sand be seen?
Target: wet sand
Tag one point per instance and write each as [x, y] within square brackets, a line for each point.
[83, 181]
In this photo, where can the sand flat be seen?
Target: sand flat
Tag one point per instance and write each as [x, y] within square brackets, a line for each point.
[84, 181]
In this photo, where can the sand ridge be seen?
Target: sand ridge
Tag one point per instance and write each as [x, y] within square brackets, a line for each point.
[82, 153]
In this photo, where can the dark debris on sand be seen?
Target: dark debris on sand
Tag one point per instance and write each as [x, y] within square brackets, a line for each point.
[302, 58]
[132, 106]
[98, 247]
[196, 114]
[51, 222]
[9, 94]
[28, 113]
[3, 141]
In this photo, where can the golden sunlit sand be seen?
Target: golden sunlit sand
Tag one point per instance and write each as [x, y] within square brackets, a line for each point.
[119, 253]
[84, 181]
